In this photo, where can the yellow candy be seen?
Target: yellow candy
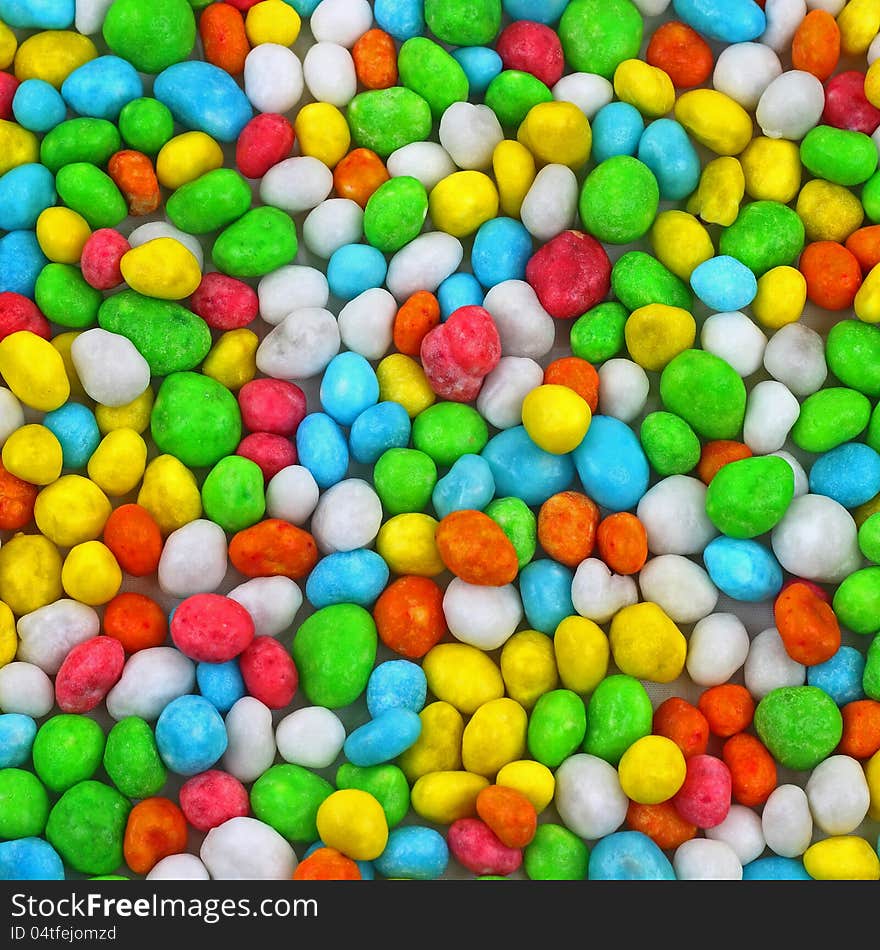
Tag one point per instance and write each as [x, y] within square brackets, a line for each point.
[406, 542]
[714, 120]
[8, 636]
[859, 23]
[33, 453]
[867, 300]
[528, 667]
[830, 212]
[657, 333]
[233, 358]
[91, 574]
[117, 464]
[582, 653]
[557, 133]
[646, 87]
[494, 736]
[772, 169]
[872, 83]
[438, 747]
[718, 196]
[533, 779]
[187, 157]
[872, 777]
[170, 493]
[556, 418]
[33, 370]
[8, 46]
[272, 21]
[18, 146]
[645, 643]
[444, 797]
[680, 242]
[513, 166]
[782, 294]
[651, 770]
[30, 573]
[462, 676]
[71, 510]
[62, 342]
[402, 380]
[863, 512]
[62, 234]
[161, 268]
[353, 822]
[133, 415]
[461, 202]
[52, 56]
[842, 858]
[322, 132]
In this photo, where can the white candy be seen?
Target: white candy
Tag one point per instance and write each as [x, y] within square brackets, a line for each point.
[251, 746]
[873, 53]
[272, 602]
[742, 831]
[717, 648]
[90, 15]
[193, 559]
[109, 366]
[332, 224]
[179, 867]
[273, 78]
[341, 21]
[651, 7]
[292, 495]
[703, 859]
[150, 680]
[366, 323]
[838, 794]
[587, 91]
[588, 796]
[829, 6]
[674, 515]
[801, 481]
[300, 346]
[348, 516]
[426, 161]
[736, 339]
[423, 264]
[598, 594]
[795, 356]
[771, 411]
[290, 288]
[524, 326]
[786, 821]
[743, 71]
[49, 633]
[623, 389]
[768, 666]
[244, 849]
[875, 138]
[25, 689]
[791, 105]
[312, 737]
[329, 73]
[504, 389]
[11, 414]
[783, 19]
[817, 540]
[550, 205]
[469, 133]
[159, 229]
[484, 617]
[296, 184]
[679, 586]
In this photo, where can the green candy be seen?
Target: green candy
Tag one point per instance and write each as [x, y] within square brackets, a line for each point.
[857, 601]
[427, 69]
[334, 651]
[872, 436]
[619, 200]
[287, 798]
[86, 827]
[671, 445]
[210, 202]
[557, 727]
[65, 297]
[79, 140]
[556, 854]
[91, 193]
[24, 805]
[598, 35]
[68, 749]
[869, 538]
[749, 497]
[871, 198]
[852, 351]
[638, 279]
[706, 392]
[839, 155]
[518, 522]
[384, 120]
[151, 36]
[395, 213]
[598, 335]
[404, 480]
[829, 418]
[168, 336]
[800, 725]
[146, 125]
[131, 759]
[871, 674]
[464, 22]
[233, 493]
[385, 782]
[618, 713]
[765, 234]
[512, 93]
[260, 241]
[448, 430]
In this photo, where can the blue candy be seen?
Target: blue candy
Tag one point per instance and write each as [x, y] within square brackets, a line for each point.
[415, 853]
[322, 449]
[383, 738]
[628, 856]
[467, 485]
[38, 14]
[617, 130]
[743, 569]
[347, 577]
[25, 193]
[379, 428]
[523, 470]
[729, 21]
[666, 149]
[30, 859]
[541, 11]
[775, 868]
[724, 283]
[545, 588]
[480, 64]
[221, 684]
[190, 735]
[75, 427]
[458, 290]
[403, 19]
[502, 248]
[17, 734]
[354, 268]
[101, 87]
[365, 867]
[849, 473]
[840, 676]
[611, 464]
[396, 684]
[349, 386]
[303, 7]
[38, 106]
[21, 261]
[204, 97]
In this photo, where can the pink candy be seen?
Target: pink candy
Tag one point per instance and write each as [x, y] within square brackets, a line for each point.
[210, 798]
[225, 303]
[269, 672]
[270, 452]
[532, 48]
[88, 673]
[704, 798]
[458, 354]
[272, 405]
[100, 259]
[265, 141]
[8, 87]
[846, 106]
[475, 846]
[20, 313]
[211, 628]
[570, 274]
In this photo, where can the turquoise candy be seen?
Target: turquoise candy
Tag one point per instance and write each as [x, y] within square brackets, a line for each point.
[204, 97]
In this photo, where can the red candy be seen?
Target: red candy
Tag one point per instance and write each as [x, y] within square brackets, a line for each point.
[225, 303]
[532, 48]
[475, 846]
[570, 274]
[272, 405]
[88, 673]
[269, 672]
[210, 798]
[19, 313]
[704, 798]
[458, 354]
[265, 141]
[100, 259]
[846, 106]
[820, 592]
[211, 628]
[270, 452]
[8, 87]
[17, 500]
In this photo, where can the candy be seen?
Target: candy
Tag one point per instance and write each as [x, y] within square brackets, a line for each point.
[86, 827]
[244, 848]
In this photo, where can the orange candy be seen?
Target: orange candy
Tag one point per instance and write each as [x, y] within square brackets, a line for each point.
[136, 621]
[375, 60]
[134, 175]
[358, 175]
[509, 814]
[716, 455]
[578, 375]
[273, 547]
[681, 53]
[861, 729]
[474, 548]
[224, 40]
[135, 540]
[807, 625]
[156, 828]
[752, 769]
[567, 525]
[661, 823]
[833, 274]
[622, 542]
[327, 864]
[417, 316]
[17, 499]
[865, 244]
[728, 708]
[815, 47]
[683, 723]
[409, 616]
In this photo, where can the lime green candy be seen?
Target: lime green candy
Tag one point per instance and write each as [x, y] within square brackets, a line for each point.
[210, 202]
[195, 419]
[385, 782]
[557, 727]
[800, 725]
[839, 155]
[86, 827]
[404, 480]
[518, 522]
[857, 601]
[618, 713]
[464, 22]
[870, 198]
[395, 213]
[869, 538]
[146, 125]
[766, 234]
[638, 279]
[706, 392]
[750, 496]
[287, 798]
[619, 200]
[65, 297]
[260, 241]
[24, 805]
[512, 93]
[829, 418]
[852, 351]
[79, 140]
[556, 854]
[427, 69]
[871, 674]
[598, 35]
[90, 192]
[334, 651]
[384, 120]
[233, 493]
[67, 750]
[151, 36]
[872, 436]
[131, 759]
[671, 445]
[598, 335]
[448, 430]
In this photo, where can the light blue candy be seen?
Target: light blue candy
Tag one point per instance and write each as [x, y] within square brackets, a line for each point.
[743, 569]
[75, 427]
[365, 867]
[611, 464]
[541, 11]
[468, 484]
[723, 283]
[775, 868]
[729, 21]
[480, 64]
[403, 19]
[849, 473]
[303, 7]
[502, 248]
[458, 290]
[347, 577]
[221, 684]
[21, 261]
[101, 87]
[25, 193]
[38, 106]
[349, 386]
[17, 734]
[322, 449]
[383, 738]
[205, 98]
[523, 470]
[414, 853]
[396, 684]
[666, 149]
[29, 859]
[545, 588]
[190, 735]
[38, 14]
[354, 268]
[840, 676]
[628, 856]
[617, 130]
[377, 429]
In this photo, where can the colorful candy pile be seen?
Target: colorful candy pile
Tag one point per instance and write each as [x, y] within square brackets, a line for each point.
[400, 398]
